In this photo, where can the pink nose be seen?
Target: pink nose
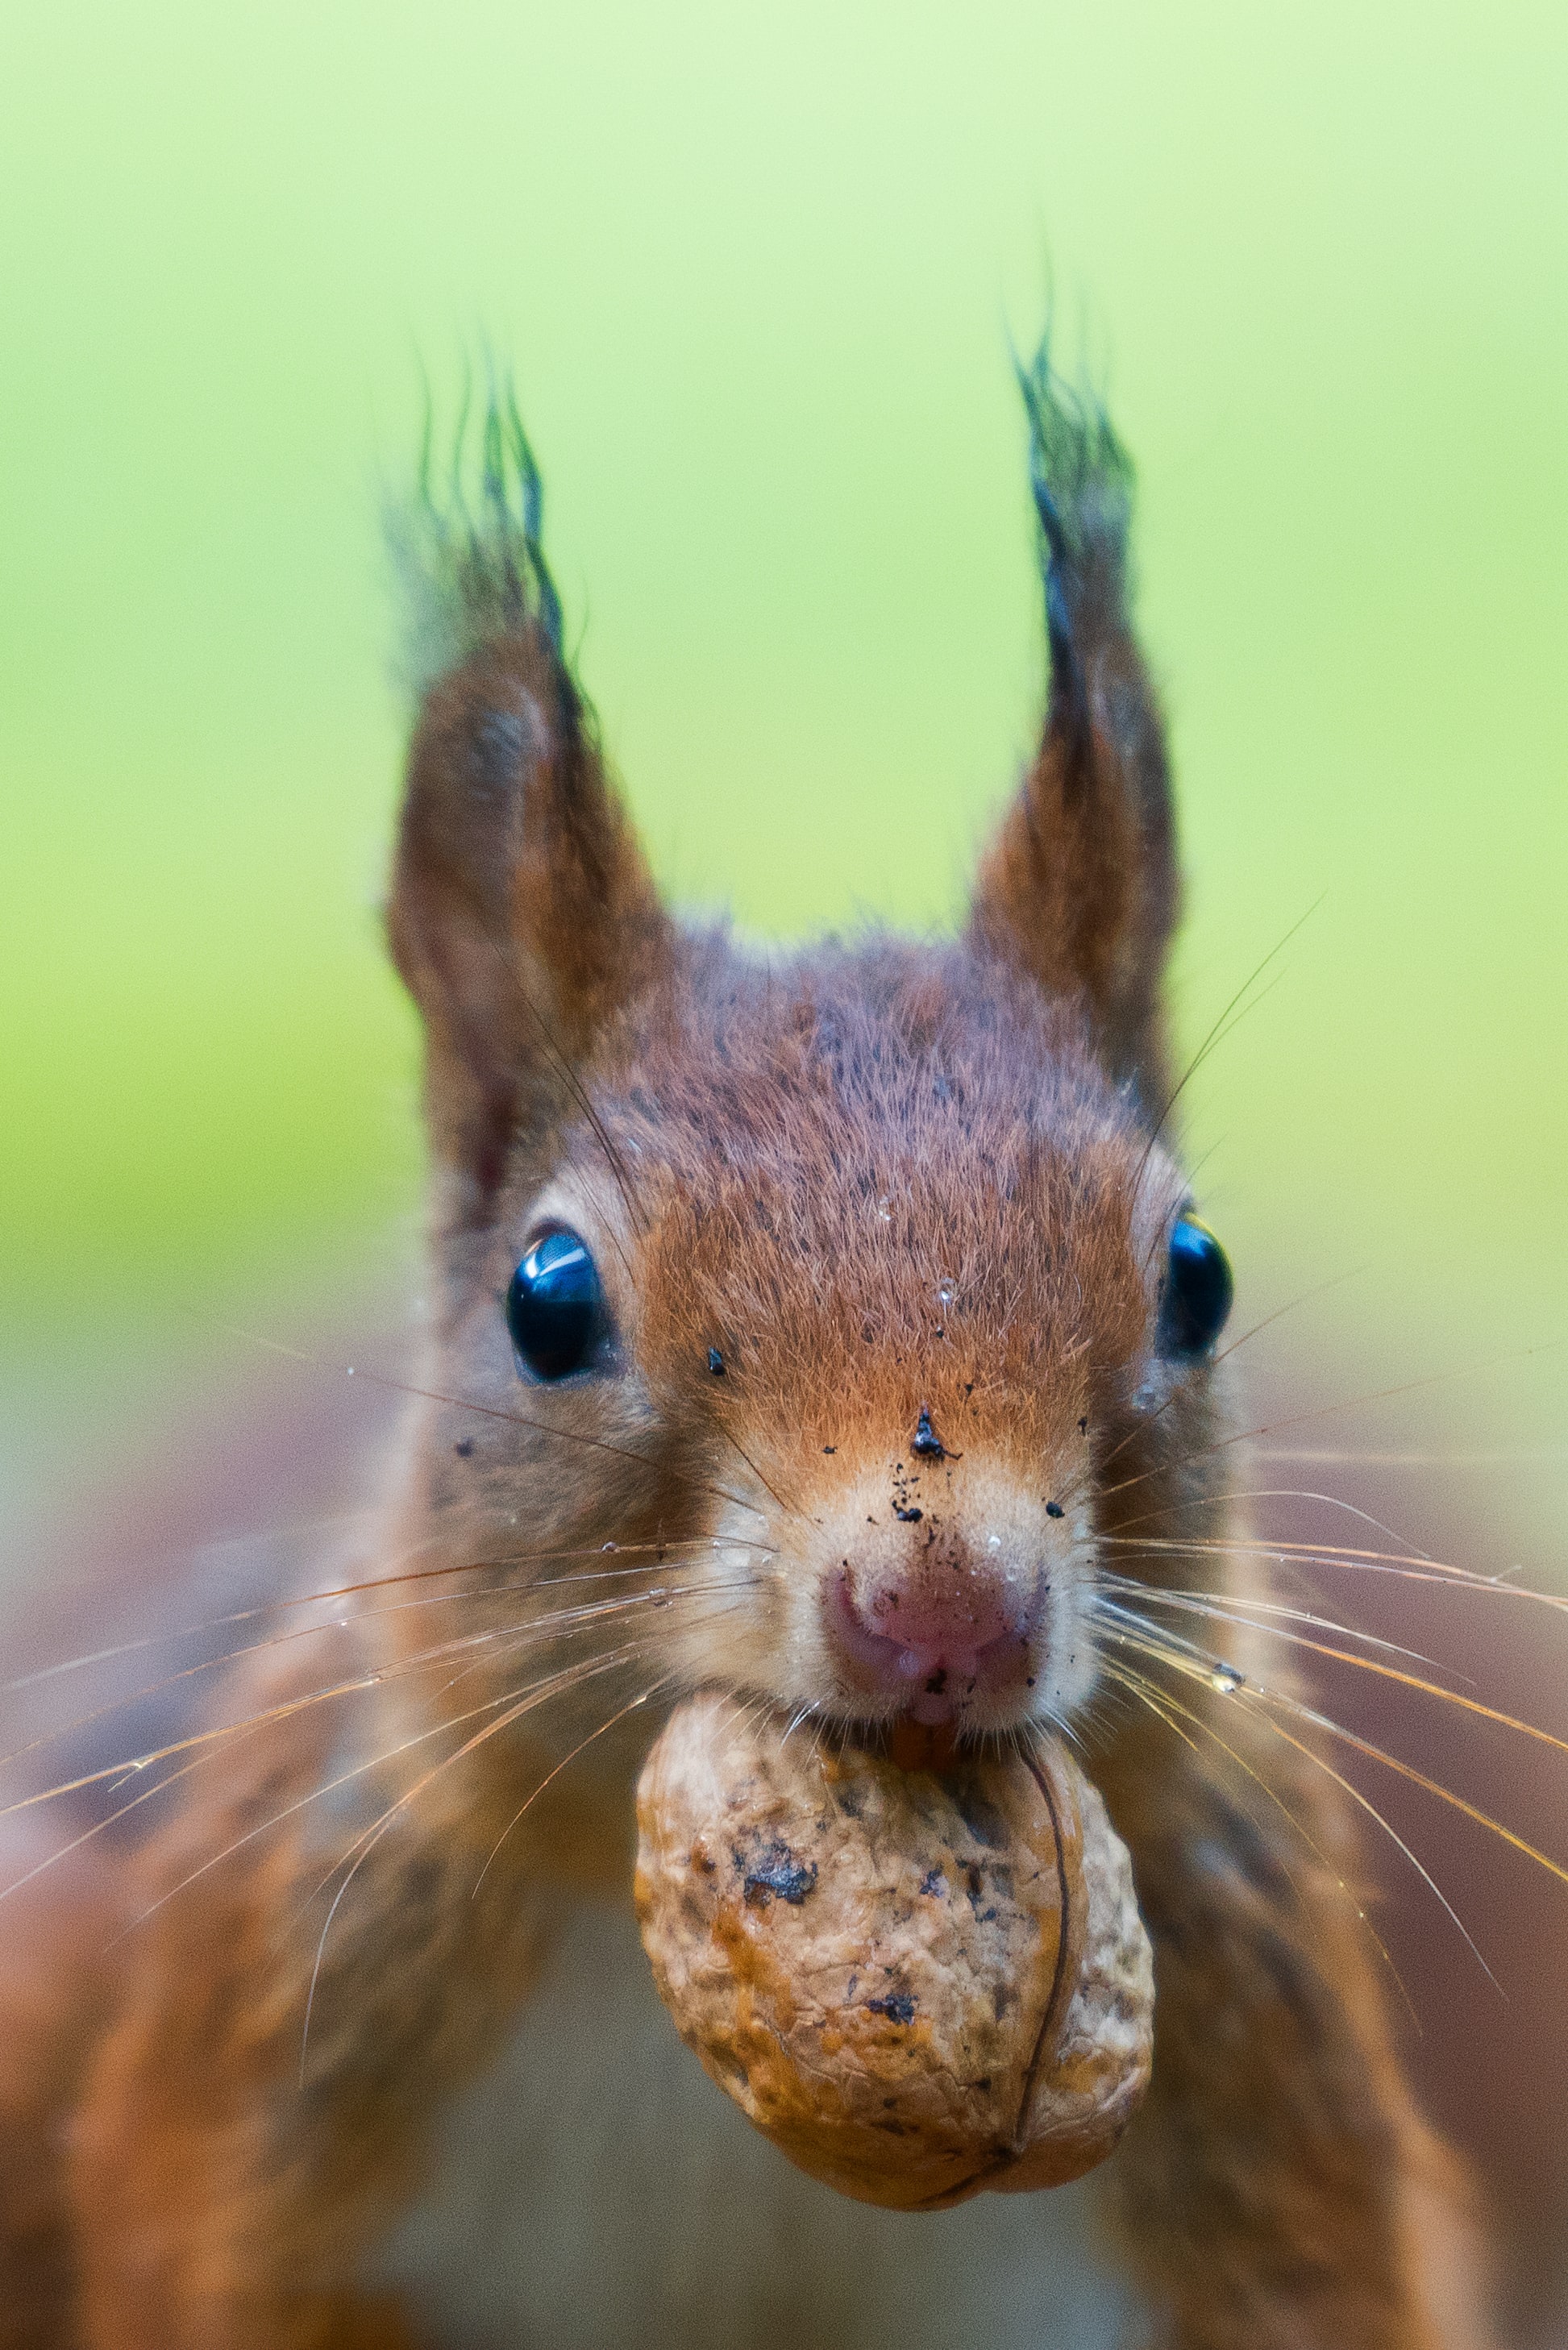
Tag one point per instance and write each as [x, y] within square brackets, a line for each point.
[935, 1644]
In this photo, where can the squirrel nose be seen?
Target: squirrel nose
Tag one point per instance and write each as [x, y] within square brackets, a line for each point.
[933, 1631]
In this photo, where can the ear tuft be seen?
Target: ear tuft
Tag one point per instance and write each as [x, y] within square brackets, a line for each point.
[468, 555]
[1080, 887]
[1081, 479]
[522, 916]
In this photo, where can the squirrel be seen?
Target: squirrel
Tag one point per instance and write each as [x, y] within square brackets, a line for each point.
[768, 1290]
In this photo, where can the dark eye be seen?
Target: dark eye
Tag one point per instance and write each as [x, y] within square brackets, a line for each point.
[1198, 1290]
[555, 1307]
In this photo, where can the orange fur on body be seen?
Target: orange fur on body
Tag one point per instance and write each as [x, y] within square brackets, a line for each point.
[826, 1196]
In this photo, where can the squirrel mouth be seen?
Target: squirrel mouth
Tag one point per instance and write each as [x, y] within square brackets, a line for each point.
[922, 1746]
[935, 1671]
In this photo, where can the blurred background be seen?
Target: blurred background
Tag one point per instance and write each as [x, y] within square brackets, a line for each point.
[757, 274]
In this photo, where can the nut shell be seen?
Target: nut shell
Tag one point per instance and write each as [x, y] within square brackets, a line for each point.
[919, 1987]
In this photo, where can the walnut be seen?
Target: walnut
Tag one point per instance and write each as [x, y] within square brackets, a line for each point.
[918, 1986]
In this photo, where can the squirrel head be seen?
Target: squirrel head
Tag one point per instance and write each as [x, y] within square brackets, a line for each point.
[847, 1293]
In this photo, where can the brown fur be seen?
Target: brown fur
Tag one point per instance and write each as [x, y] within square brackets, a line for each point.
[874, 1179]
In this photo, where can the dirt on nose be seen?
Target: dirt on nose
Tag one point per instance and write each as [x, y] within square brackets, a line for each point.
[931, 1578]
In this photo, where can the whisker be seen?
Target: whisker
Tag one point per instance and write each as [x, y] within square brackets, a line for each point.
[520, 1701]
[1216, 1036]
[556, 1582]
[204, 1737]
[99, 1827]
[1385, 1672]
[1501, 1457]
[190, 1632]
[1217, 1670]
[231, 1657]
[546, 1428]
[1154, 1697]
[1291, 1306]
[1159, 1699]
[1321, 1411]
[1258, 1694]
[376, 1582]
[528, 1699]
[1280, 1494]
[20, 1681]
[1409, 1770]
[577, 1090]
[237, 1731]
[1155, 1649]
[1410, 1566]
[364, 1845]
[486, 1411]
[641, 1698]
[557, 1622]
[1224, 1607]
[208, 1742]
[791, 1509]
[666, 1553]
[1509, 1459]
[151, 1689]
[1373, 1812]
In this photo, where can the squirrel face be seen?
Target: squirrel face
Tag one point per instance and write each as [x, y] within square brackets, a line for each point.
[858, 1287]
[851, 1298]
[884, 1284]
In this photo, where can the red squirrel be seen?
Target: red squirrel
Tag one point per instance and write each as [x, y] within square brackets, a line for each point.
[837, 1327]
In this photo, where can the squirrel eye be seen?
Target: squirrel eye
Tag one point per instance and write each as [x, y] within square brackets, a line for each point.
[1198, 1290]
[555, 1307]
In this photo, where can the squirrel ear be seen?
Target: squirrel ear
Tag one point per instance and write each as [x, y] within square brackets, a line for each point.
[1079, 889]
[523, 915]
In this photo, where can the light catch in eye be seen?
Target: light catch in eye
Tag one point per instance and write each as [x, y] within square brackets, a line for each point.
[1198, 1288]
[555, 1307]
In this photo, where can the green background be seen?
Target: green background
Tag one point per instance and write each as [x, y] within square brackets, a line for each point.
[757, 272]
